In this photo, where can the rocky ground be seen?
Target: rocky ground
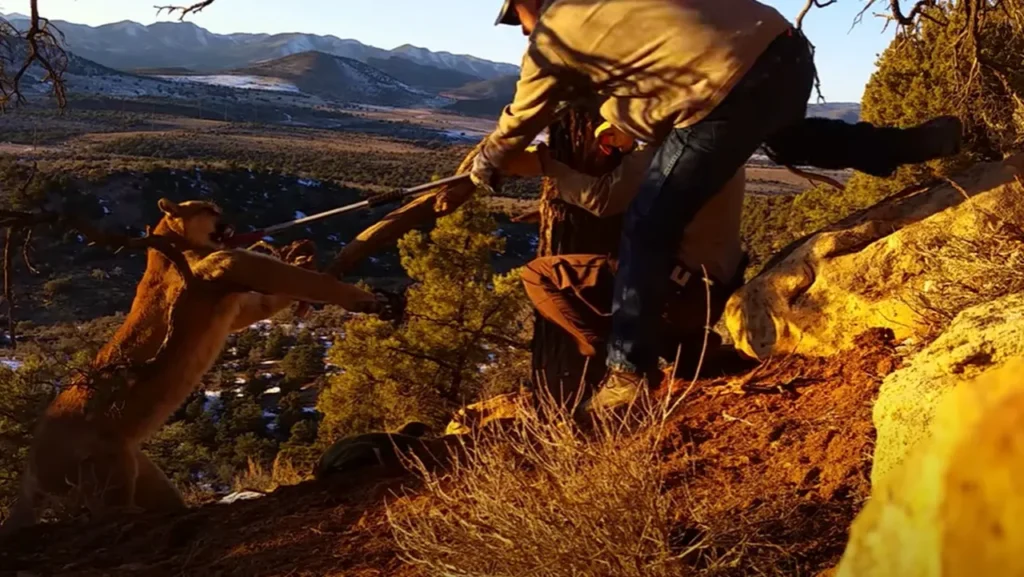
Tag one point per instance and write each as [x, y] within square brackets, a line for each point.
[768, 469]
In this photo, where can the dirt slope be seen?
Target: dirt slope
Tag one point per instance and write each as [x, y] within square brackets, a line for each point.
[767, 477]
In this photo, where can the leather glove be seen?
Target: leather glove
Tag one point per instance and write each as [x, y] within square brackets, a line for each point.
[483, 173]
[389, 306]
[528, 163]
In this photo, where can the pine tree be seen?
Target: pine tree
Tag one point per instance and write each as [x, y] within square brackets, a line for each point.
[918, 78]
[459, 315]
[304, 361]
[275, 344]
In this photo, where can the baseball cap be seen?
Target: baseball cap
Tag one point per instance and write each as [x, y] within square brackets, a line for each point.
[508, 15]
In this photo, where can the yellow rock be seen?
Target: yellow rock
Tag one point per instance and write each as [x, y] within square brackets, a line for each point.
[955, 506]
[977, 341]
[858, 274]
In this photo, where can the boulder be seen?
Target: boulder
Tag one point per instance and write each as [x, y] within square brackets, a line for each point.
[978, 340]
[955, 506]
[866, 271]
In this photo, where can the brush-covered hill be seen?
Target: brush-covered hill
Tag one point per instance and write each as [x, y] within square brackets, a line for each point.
[337, 78]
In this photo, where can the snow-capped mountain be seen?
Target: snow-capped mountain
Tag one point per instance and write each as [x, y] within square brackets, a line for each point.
[129, 46]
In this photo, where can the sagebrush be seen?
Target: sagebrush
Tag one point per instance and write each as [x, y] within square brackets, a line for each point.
[540, 497]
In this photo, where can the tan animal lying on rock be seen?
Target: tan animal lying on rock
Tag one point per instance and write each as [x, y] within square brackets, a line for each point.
[86, 449]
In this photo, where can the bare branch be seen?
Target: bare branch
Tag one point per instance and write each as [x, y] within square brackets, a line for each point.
[8, 297]
[26, 248]
[184, 10]
[43, 46]
[910, 18]
[807, 8]
[814, 177]
[799, 26]
[95, 236]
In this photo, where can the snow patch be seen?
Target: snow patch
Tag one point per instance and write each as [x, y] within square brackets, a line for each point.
[12, 364]
[240, 496]
[300, 214]
[241, 82]
[272, 390]
[310, 182]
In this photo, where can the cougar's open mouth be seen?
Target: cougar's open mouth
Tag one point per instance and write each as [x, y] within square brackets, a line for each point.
[222, 233]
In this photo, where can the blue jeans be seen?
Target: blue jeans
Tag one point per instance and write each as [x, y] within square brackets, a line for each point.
[767, 107]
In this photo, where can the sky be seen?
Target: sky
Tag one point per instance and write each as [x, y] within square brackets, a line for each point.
[845, 57]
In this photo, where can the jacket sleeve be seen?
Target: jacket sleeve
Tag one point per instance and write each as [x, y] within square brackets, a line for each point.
[531, 111]
[605, 195]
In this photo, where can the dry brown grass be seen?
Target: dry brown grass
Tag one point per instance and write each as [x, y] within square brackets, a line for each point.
[970, 271]
[256, 477]
[538, 496]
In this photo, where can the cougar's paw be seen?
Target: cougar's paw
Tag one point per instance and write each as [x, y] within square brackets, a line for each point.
[300, 253]
[389, 306]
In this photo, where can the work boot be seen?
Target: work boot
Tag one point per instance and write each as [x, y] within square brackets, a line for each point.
[618, 388]
[936, 138]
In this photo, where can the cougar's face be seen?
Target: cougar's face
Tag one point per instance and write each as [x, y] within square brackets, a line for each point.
[200, 222]
[208, 228]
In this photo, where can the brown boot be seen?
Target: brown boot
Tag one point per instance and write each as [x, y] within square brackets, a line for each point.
[939, 137]
[618, 388]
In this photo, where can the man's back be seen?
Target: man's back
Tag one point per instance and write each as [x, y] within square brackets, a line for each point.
[665, 63]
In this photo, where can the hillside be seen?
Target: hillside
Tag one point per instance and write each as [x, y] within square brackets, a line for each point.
[129, 45]
[793, 512]
[425, 77]
[336, 78]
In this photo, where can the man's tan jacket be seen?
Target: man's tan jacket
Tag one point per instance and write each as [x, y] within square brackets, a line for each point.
[660, 63]
[711, 239]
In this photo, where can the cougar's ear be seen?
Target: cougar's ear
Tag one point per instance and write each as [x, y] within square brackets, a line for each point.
[168, 206]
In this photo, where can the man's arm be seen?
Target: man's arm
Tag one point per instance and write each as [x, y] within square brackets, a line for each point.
[532, 109]
[605, 195]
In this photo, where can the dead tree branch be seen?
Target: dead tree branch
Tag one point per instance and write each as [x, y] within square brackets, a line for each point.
[814, 177]
[799, 26]
[807, 8]
[184, 10]
[15, 222]
[8, 296]
[43, 45]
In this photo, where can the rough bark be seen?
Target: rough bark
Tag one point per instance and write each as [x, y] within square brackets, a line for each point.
[566, 229]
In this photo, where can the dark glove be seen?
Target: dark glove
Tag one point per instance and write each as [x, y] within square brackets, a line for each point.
[390, 306]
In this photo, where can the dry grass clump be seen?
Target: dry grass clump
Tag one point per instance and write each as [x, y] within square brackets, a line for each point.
[256, 477]
[969, 271]
[538, 496]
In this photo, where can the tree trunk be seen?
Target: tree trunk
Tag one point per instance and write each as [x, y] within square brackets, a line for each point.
[566, 229]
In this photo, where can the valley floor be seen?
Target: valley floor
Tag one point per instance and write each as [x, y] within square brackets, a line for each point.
[767, 469]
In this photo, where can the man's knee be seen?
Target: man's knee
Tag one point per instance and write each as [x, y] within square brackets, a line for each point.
[534, 272]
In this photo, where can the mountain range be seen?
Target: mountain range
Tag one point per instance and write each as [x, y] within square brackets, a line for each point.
[341, 70]
[129, 45]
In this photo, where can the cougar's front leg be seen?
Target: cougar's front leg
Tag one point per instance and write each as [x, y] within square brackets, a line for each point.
[251, 271]
[257, 307]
